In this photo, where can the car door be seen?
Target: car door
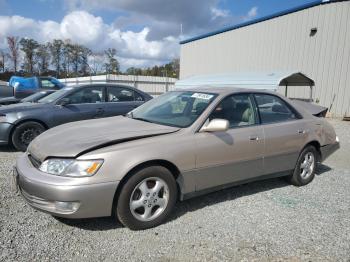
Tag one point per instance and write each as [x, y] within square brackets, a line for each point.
[84, 103]
[231, 156]
[285, 133]
[121, 100]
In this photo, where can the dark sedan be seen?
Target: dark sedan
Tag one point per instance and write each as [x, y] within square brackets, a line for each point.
[21, 123]
[29, 99]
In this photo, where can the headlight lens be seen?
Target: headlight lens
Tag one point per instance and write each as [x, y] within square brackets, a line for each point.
[70, 167]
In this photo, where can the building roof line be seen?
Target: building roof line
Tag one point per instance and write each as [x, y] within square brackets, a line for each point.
[262, 19]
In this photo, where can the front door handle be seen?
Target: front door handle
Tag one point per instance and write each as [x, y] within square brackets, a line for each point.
[253, 138]
[99, 111]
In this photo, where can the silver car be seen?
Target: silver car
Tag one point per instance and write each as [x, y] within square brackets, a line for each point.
[177, 146]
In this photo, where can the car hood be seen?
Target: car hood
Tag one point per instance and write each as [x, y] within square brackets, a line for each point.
[14, 108]
[77, 138]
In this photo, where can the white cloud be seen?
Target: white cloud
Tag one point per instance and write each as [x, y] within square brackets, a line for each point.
[154, 42]
[84, 28]
[253, 12]
[217, 12]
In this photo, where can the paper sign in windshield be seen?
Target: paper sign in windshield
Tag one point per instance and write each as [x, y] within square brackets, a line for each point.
[202, 96]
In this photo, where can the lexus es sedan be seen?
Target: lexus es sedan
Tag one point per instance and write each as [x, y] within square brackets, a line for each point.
[21, 123]
[180, 145]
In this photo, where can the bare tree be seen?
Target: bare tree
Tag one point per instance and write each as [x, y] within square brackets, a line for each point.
[13, 44]
[96, 62]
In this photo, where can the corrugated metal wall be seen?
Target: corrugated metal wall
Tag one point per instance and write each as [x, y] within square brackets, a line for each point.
[284, 43]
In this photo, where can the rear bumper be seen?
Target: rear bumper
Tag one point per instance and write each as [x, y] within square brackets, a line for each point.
[64, 200]
[5, 129]
[327, 150]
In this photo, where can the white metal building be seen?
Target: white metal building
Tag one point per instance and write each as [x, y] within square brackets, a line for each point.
[313, 39]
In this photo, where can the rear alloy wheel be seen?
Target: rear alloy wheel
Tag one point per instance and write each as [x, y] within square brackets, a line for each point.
[304, 171]
[147, 198]
[25, 133]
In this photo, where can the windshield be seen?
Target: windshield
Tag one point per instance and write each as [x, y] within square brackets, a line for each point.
[34, 97]
[178, 108]
[55, 96]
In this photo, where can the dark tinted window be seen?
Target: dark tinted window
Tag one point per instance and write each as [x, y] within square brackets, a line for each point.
[273, 109]
[87, 95]
[237, 109]
[120, 94]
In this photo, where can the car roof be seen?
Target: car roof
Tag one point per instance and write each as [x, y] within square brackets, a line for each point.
[223, 90]
[102, 84]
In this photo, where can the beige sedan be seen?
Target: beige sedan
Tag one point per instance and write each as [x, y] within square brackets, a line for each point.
[179, 145]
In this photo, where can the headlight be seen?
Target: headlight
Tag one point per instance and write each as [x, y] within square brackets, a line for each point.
[337, 139]
[2, 118]
[70, 167]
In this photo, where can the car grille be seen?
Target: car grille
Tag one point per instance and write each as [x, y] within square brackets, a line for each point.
[35, 162]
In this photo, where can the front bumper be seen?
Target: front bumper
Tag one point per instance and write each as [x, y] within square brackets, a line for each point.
[5, 129]
[61, 198]
[327, 150]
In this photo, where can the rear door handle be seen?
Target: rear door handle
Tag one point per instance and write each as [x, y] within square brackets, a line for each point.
[301, 131]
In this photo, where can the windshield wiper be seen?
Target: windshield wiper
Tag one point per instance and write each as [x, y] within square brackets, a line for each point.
[142, 119]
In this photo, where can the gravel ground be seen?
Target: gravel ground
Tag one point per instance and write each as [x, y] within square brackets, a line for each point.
[263, 221]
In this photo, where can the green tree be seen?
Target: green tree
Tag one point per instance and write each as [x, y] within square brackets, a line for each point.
[112, 65]
[84, 56]
[43, 58]
[66, 57]
[3, 56]
[29, 46]
[56, 49]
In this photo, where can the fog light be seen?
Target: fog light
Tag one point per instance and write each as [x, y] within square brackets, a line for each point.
[67, 206]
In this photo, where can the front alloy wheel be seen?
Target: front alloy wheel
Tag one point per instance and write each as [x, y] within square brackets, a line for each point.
[147, 198]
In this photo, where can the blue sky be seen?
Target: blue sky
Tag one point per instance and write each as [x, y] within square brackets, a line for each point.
[145, 32]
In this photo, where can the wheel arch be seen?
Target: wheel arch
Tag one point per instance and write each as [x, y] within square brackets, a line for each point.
[317, 145]
[22, 121]
[174, 170]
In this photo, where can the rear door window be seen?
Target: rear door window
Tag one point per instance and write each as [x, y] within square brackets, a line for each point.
[121, 94]
[273, 109]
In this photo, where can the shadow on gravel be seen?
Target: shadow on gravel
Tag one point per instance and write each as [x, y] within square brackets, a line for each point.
[233, 193]
[92, 224]
[321, 169]
[191, 205]
[7, 149]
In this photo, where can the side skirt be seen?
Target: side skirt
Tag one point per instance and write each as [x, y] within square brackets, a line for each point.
[225, 186]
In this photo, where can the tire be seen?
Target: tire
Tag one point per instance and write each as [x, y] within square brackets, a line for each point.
[25, 133]
[140, 193]
[304, 171]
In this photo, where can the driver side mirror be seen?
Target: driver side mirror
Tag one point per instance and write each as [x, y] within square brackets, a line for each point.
[64, 101]
[215, 125]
